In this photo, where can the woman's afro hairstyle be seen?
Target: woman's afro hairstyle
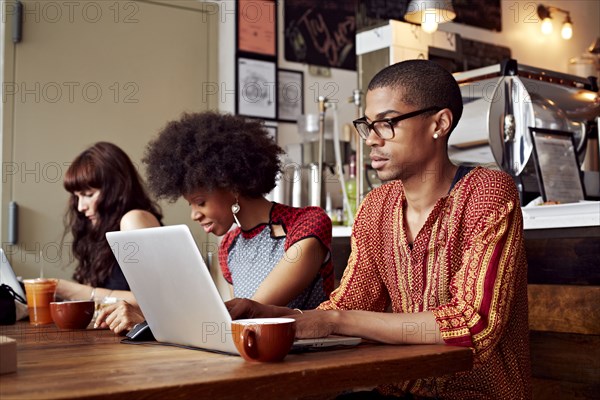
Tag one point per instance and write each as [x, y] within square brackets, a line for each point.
[211, 151]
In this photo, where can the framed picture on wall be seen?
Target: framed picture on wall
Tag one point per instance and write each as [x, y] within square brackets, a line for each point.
[272, 129]
[257, 27]
[256, 88]
[290, 95]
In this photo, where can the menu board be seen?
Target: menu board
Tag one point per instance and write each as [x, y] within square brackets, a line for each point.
[557, 166]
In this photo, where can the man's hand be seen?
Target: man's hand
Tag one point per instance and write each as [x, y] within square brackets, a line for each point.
[119, 317]
[314, 324]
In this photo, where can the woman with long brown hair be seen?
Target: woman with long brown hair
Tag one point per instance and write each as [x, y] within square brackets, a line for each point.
[107, 194]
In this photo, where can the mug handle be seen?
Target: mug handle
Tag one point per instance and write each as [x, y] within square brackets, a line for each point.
[249, 341]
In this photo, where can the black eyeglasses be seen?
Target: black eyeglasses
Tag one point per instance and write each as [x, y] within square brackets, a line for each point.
[384, 128]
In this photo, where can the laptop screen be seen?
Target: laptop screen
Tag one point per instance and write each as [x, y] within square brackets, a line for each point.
[7, 275]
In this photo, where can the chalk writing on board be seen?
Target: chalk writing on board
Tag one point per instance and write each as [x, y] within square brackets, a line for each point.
[319, 36]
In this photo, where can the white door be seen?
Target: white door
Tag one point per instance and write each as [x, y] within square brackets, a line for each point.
[87, 71]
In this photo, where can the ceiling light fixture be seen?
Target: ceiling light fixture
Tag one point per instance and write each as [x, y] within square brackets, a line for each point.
[545, 15]
[429, 13]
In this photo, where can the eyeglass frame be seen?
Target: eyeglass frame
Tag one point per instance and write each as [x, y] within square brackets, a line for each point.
[391, 122]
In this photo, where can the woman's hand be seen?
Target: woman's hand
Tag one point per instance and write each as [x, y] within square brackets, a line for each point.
[246, 308]
[119, 317]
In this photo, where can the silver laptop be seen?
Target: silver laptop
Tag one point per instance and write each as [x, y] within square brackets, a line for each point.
[7, 275]
[175, 291]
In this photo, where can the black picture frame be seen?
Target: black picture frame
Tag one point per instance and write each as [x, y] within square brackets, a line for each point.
[290, 95]
[557, 166]
[256, 90]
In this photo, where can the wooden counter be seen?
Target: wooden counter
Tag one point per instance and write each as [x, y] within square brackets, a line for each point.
[94, 364]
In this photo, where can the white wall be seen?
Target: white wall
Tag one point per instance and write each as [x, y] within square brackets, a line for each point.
[521, 32]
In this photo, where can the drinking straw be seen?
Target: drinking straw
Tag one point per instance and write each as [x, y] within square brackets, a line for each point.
[41, 266]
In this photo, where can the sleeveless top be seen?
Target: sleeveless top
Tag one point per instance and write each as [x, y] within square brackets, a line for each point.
[247, 257]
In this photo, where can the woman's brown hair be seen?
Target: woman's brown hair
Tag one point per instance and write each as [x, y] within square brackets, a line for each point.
[103, 166]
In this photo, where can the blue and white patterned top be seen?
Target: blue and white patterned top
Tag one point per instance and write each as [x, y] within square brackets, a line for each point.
[248, 257]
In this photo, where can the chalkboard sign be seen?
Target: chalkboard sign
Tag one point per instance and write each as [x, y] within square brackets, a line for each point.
[321, 32]
[485, 14]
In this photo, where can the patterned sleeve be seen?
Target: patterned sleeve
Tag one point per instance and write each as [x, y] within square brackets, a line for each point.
[361, 287]
[224, 253]
[492, 270]
[311, 222]
[314, 222]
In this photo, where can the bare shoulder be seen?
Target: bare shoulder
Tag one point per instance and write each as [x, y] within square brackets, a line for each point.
[138, 219]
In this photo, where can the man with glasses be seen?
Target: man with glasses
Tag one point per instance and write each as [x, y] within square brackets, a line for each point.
[440, 245]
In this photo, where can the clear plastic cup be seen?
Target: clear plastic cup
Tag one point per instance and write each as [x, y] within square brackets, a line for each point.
[40, 293]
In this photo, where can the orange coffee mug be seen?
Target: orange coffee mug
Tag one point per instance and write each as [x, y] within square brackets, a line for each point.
[40, 293]
[75, 314]
[264, 339]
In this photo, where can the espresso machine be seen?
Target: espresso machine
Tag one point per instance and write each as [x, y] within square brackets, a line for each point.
[503, 102]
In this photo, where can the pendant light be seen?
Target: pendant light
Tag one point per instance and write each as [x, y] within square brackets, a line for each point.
[429, 13]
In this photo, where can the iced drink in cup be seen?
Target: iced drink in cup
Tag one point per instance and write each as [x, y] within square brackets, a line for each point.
[40, 292]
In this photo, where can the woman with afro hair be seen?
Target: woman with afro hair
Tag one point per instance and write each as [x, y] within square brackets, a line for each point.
[224, 166]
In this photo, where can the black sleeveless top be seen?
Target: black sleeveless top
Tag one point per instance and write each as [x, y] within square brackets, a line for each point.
[460, 173]
[116, 280]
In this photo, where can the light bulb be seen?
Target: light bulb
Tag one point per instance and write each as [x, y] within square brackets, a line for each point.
[547, 26]
[567, 31]
[429, 23]
[429, 27]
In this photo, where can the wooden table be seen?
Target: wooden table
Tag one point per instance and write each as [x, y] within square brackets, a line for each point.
[94, 364]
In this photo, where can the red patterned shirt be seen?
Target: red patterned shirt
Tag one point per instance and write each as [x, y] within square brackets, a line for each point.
[247, 257]
[467, 266]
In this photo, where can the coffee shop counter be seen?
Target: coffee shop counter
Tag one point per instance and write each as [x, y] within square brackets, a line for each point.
[563, 254]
